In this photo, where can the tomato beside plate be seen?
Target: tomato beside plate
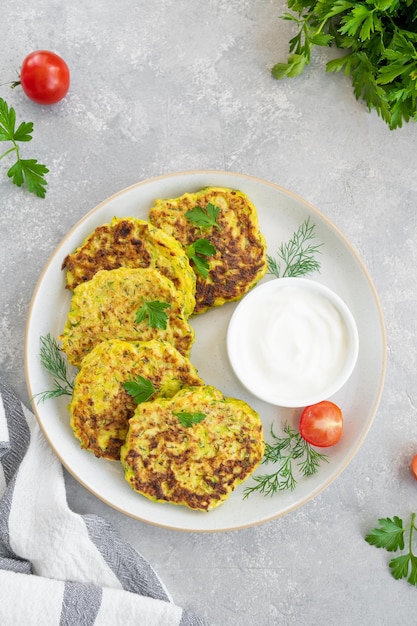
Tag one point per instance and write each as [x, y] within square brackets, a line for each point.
[45, 77]
[414, 466]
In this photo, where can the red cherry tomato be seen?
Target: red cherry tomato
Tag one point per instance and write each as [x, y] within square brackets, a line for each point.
[45, 77]
[321, 424]
[414, 466]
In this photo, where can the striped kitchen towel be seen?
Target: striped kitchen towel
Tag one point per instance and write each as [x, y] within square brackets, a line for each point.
[58, 567]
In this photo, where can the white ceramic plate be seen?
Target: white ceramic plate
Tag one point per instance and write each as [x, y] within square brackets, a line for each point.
[280, 214]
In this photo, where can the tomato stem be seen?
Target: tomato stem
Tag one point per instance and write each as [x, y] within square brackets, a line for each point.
[12, 83]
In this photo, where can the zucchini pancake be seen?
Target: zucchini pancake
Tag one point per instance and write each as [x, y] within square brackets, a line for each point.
[106, 307]
[192, 449]
[131, 242]
[239, 260]
[101, 407]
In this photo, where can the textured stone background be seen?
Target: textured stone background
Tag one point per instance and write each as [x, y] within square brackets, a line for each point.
[166, 86]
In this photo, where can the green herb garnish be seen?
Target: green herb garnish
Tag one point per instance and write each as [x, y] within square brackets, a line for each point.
[298, 255]
[154, 312]
[54, 363]
[196, 252]
[285, 451]
[188, 419]
[380, 40]
[141, 389]
[390, 535]
[24, 171]
[205, 218]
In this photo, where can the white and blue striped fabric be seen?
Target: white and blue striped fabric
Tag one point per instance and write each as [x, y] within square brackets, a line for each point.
[58, 567]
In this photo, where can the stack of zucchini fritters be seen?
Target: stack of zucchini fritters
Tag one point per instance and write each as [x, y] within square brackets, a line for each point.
[119, 268]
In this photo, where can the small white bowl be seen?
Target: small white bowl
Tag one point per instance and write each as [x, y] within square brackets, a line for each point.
[292, 342]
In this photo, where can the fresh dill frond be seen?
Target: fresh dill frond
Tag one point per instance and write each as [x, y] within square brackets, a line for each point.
[54, 363]
[298, 255]
[310, 465]
[285, 452]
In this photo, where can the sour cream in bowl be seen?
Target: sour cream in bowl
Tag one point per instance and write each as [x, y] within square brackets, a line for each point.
[292, 342]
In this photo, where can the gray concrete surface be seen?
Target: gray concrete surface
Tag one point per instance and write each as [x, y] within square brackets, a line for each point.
[167, 86]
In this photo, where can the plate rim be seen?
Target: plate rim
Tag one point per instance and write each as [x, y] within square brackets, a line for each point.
[333, 227]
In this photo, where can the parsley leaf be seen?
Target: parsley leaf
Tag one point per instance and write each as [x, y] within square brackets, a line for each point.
[205, 218]
[188, 419]
[390, 535]
[196, 252]
[31, 172]
[141, 389]
[154, 312]
[380, 40]
[24, 171]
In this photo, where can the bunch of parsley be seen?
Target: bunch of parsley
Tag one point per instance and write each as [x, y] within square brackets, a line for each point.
[380, 40]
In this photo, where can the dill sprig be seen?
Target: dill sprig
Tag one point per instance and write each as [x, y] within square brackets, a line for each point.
[286, 451]
[298, 255]
[54, 363]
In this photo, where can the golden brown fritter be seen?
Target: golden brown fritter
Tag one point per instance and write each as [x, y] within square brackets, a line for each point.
[134, 243]
[197, 465]
[101, 407]
[106, 306]
[240, 258]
